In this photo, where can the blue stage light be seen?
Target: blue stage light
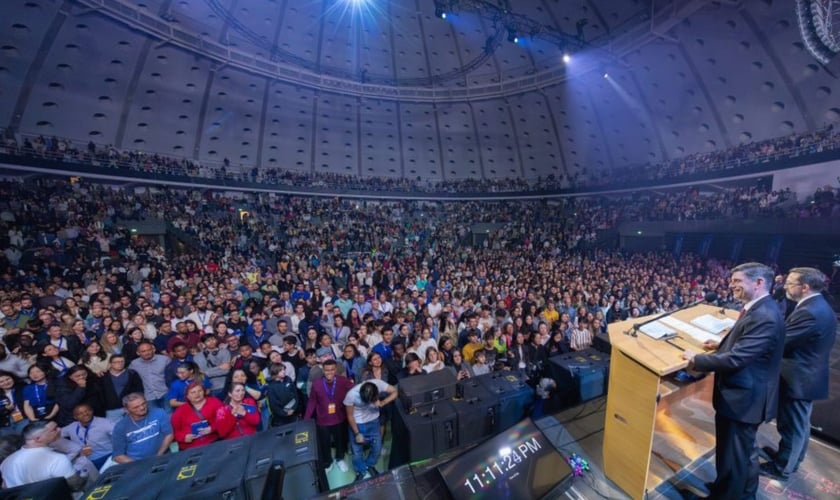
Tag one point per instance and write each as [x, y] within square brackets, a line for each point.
[512, 36]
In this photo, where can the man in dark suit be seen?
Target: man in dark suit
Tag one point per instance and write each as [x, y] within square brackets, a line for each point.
[810, 333]
[746, 367]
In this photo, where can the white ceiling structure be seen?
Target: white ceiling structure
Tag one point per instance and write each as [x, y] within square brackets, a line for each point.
[386, 88]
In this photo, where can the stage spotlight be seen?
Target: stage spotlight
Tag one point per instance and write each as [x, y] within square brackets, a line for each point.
[606, 75]
[512, 36]
[567, 58]
[440, 9]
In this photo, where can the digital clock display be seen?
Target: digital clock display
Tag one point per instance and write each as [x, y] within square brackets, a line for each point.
[518, 463]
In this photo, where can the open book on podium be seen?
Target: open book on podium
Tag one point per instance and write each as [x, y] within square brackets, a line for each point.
[656, 424]
[701, 328]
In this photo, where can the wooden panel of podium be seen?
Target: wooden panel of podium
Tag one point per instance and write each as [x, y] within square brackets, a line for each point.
[655, 425]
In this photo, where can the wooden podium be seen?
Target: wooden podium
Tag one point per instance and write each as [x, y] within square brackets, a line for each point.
[655, 425]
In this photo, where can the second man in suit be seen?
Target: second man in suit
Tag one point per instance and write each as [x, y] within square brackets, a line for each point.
[810, 331]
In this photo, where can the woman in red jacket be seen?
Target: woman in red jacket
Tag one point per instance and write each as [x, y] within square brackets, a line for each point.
[240, 416]
[196, 423]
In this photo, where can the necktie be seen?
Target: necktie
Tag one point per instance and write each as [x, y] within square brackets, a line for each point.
[741, 314]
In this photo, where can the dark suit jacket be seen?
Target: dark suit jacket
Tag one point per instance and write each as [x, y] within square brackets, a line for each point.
[810, 333]
[109, 392]
[747, 365]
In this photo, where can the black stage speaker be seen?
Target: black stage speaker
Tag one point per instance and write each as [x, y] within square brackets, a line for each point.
[51, 489]
[292, 449]
[264, 473]
[293, 443]
[141, 479]
[215, 471]
[428, 388]
[515, 396]
[278, 463]
[580, 376]
[425, 431]
[478, 414]
[295, 446]
[304, 480]
[601, 342]
[469, 388]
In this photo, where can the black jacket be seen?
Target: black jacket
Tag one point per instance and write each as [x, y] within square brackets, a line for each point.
[111, 399]
[810, 331]
[282, 395]
[68, 395]
[747, 365]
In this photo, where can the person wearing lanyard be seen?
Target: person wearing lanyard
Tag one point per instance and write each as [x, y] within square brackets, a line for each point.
[58, 362]
[93, 434]
[202, 316]
[326, 404]
[37, 399]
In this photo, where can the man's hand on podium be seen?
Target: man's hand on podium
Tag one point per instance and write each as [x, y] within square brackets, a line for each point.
[709, 345]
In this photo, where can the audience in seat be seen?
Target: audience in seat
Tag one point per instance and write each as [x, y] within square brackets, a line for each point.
[755, 153]
[262, 293]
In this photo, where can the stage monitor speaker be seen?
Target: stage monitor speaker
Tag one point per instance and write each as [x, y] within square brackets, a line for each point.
[580, 376]
[470, 388]
[516, 397]
[139, 479]
[478, 414]
[428, 388]
[601, 342]
[292, 449]
[266, 466]
[304, 480]
[264, 473]
[425, 431]
[292, 444]
[215, 471]
[52, 489]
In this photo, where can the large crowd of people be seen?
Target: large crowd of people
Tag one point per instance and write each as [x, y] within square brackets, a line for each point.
[118, 347]
[719, 161]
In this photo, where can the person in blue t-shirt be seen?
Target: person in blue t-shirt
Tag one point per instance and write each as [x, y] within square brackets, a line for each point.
[142, 432]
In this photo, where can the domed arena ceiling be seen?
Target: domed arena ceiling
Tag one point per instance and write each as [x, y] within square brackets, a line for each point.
[427, 89]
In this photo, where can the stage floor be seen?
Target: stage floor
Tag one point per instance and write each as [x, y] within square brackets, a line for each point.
[580, 430]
